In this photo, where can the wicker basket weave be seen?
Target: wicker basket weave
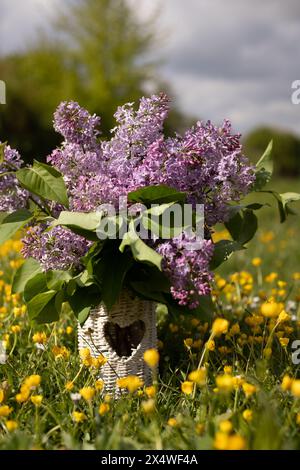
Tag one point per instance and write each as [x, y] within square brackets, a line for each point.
[122, 336]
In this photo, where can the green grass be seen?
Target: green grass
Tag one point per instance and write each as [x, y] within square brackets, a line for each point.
[200, 421]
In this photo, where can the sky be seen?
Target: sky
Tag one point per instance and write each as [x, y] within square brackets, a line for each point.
[233, 59]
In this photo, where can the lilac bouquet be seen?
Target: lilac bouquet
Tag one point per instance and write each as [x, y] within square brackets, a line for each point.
[61, 206]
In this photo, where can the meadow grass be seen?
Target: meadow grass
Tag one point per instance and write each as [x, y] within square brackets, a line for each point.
[244, 392]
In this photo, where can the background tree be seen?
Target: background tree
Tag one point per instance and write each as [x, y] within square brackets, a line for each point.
[96, 54]
[286, 149]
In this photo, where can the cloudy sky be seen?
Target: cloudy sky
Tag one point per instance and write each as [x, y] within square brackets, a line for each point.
[233, 58]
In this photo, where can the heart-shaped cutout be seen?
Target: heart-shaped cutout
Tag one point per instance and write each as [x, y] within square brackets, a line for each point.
[124, 340]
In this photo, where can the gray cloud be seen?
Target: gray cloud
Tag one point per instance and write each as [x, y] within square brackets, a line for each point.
[230, 58]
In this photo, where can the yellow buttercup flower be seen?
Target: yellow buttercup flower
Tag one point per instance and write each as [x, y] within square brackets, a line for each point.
[5, 410]
[89, 361]
[225, 426]
[188, 342]
[172, 422]
[150, 391]
[36, 399]
[228, 370]
[32, 381]
[187, 387]
[198, 376]
[87, 393]
[60, 352]
[210, 345]
[249, 389]
[69, 386]
[220, 326]
[271, 309]
[103, 409]
[15, 329]
[286, 383]
[151, 357]
[224, 441]
[11, 425]
[295, 388]
[39, 337]
[284, 342]
[225, 383]
[148, 406]
[271, 277]
[78, 416]
[131, 383]
[256, 262]
[99, 384]
[283, 316]
[69, 330]
[235, 329]
[248, 415]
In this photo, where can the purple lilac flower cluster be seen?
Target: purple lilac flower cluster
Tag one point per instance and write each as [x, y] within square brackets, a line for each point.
[206, 162]
[188, 270]
[12, 196]
[58, 248]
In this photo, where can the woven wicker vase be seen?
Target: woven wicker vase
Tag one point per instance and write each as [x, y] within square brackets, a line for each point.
[122, 336]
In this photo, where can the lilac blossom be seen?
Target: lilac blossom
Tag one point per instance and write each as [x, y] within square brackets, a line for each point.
[207, 163]
[187, 270]
[12, 196]
[135, 132]
[76, 124]
[57, 248]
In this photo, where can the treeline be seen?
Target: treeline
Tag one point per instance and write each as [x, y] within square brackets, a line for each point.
[97, 52]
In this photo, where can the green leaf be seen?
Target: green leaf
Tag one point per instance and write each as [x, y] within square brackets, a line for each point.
[2, 148]
[35, 286]
[50, 312]
[141, 252]
[264, 168]
[83, 300]
[222, 251]
[86, 221]
[84, 224]
[44, 181]
[39, 306]
[148, 282]
[156, 195]
[26, 271]
[3, 215]
[83, 315]
[144, 290]
[116, 266]
[12, 223]
[243, 226]
[204, 311]
[161, 221]
[283, 200]
[57, 279]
